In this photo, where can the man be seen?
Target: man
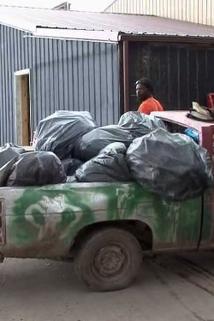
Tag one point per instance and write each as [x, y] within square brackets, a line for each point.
[144, 93]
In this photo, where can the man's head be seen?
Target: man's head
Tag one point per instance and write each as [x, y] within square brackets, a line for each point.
[144, 89]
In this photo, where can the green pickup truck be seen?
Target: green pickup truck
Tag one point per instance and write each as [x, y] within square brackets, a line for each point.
[105, 227]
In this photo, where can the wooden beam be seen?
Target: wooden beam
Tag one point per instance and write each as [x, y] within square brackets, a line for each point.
[25, 110]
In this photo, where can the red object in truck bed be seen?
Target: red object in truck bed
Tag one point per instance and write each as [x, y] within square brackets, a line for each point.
[210, 100]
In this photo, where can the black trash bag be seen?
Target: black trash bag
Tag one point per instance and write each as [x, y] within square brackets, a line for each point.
[93, 142]
[71, 179]
[140, 124]
[7, 153]
[18, 149]
[171, 165]
[70, 165]
[6, 170]
[37, 168]
[109, 166]
[114, 148]
[60, 131]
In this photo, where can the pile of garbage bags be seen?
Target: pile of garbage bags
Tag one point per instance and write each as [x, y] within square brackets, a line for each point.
[69, 147]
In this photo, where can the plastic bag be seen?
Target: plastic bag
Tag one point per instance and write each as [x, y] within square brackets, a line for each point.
[109, 166]
[93, 142]
[70, 165]
[18, 149]
[171, 165]
[140, 124]
[37, 168]
[60, 131]
[6, 170]
[71, 179]
[7, 153]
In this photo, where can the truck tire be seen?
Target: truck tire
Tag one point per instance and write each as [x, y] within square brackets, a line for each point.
[109, 259]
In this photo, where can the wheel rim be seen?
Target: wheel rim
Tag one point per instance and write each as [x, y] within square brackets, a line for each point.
[110, 261]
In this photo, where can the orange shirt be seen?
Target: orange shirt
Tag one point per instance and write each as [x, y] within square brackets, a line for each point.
[149, 105]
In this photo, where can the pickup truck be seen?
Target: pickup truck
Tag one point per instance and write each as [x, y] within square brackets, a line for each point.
[106, 227]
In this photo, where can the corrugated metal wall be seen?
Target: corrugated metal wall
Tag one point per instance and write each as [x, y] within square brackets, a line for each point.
[64, 74]
[198, 11]
[180, 73]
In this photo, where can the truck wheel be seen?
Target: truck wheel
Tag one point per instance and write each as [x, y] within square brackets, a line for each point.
[109, 259]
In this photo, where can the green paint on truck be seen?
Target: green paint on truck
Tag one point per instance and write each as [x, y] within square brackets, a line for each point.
[50, 217]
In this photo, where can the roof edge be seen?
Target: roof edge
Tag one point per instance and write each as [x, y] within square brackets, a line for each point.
[166, 38]
[31, 28]
[76, 34]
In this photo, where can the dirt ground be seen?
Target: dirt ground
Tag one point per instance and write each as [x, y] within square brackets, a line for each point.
[170, 288]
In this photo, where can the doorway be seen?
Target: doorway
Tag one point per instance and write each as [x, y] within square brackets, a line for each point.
[22, 107]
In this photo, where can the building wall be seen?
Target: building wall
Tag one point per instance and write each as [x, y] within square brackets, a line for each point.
[198, 11]
[64, 74]
[180, 73]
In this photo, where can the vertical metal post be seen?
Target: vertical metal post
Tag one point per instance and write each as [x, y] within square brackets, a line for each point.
[126, 75]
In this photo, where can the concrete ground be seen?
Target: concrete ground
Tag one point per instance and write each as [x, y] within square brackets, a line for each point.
[170, 288]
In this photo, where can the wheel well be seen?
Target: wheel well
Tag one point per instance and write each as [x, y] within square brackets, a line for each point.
[139, 229]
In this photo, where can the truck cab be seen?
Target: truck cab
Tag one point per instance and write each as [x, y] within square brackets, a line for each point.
[106, 227]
